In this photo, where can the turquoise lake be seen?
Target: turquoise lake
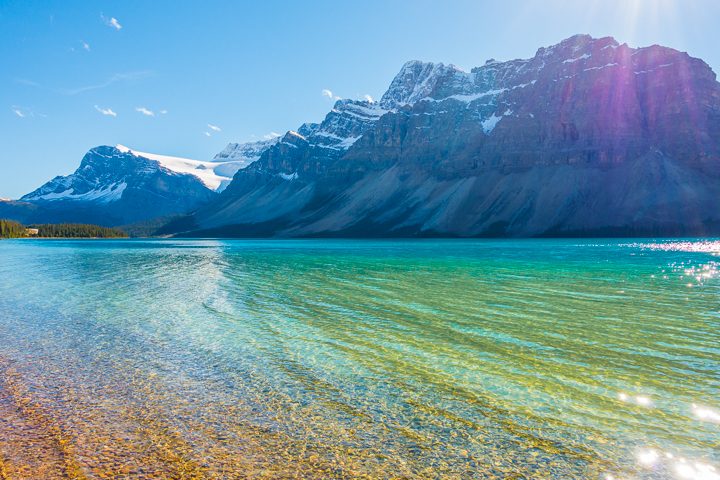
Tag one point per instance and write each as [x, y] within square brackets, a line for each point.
[572, 358]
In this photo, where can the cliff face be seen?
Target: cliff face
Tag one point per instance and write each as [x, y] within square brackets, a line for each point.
[587, 137]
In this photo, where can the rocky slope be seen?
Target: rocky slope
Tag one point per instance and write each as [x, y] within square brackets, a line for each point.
[588, 137]
[22, 212]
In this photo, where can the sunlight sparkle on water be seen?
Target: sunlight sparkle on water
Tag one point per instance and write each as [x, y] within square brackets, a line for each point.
[700, 246]
[680, 468]
[648, 457]
[641, 400]
[706, 414]
[696, 471]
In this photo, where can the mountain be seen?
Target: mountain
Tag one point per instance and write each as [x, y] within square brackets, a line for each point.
[240, 155]
[22, 212]
[117, 185]
[588, 137]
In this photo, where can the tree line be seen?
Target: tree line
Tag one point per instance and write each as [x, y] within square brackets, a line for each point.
[12, 229]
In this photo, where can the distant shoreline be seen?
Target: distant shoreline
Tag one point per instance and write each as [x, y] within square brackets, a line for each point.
[380, 239]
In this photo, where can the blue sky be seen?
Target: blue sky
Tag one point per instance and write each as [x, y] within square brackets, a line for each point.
[157, 76]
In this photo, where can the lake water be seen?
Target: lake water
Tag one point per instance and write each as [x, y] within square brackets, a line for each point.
[346, 359]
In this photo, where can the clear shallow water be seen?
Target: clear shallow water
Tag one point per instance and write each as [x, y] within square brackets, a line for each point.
[344, 359]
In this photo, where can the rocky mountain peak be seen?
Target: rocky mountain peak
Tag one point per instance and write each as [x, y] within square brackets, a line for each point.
[577, 44]
[417, 80]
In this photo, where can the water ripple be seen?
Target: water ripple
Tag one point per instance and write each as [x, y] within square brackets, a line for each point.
[343, 359]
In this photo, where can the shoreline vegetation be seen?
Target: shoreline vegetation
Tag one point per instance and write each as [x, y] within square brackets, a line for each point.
[12, 229]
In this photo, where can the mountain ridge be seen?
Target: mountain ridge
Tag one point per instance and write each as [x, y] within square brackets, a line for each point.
[492, 152]
[587, 137]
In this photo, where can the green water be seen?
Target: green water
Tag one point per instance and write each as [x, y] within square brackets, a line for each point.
[376, 359]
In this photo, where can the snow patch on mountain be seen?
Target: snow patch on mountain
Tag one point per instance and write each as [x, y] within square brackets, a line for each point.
[581, 57]
[107, 194]
[215, 175]
[491, 122]
[239, 155]
[344, 124]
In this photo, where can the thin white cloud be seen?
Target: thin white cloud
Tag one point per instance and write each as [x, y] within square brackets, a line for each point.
[326, 92]
[26, 112]
[163, 112]
[329, 94]
[106, 111]
[116, 78]
[208, 134]
[125, 77]
[369, 98]
[86, 46]
[25, 81]
[271, 135]
[145, 111]
[214, 128]
[111, 22]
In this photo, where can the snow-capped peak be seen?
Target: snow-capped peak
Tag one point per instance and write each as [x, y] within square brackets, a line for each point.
[419, 80]
[243, 154]
[415, 80]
